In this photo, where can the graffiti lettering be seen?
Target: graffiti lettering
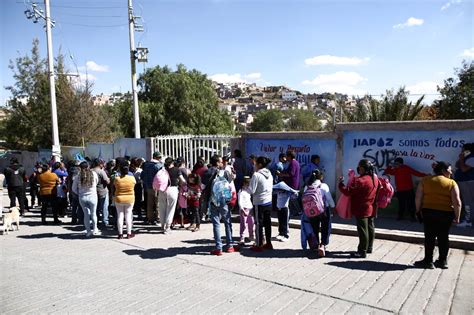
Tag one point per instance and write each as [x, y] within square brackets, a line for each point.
[267, 148]
[381, 159]
[302, 149]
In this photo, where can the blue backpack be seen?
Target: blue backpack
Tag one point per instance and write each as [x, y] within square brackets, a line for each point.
[221, 190]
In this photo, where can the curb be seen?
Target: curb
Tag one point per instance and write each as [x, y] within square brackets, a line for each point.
[455, 241]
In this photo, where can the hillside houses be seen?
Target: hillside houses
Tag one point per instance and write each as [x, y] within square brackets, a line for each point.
[244, 100]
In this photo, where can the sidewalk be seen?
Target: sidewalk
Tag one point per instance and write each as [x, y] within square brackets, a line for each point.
[54, 269]
[403, 231]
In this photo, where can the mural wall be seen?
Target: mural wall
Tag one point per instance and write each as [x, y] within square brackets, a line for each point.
[419, 149]
[304, 148]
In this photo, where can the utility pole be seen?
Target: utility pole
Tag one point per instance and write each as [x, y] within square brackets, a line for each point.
[131, 29]
[36, 14]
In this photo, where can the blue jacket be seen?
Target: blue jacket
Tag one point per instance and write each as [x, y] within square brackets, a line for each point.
[150, 168]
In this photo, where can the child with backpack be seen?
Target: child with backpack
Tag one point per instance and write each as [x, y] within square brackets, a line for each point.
[317, 206]
[193, 196]
[246, 211]
[284, 194]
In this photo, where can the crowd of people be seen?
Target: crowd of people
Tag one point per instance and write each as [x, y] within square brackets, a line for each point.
[163, 191]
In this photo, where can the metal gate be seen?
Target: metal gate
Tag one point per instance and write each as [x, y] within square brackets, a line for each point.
[191, 147]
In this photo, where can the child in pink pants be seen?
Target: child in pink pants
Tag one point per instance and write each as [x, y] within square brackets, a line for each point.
[246, 211]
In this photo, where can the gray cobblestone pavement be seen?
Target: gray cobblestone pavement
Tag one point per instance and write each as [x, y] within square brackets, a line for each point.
[54, 269]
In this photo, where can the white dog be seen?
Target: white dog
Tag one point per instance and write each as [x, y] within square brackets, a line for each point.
[9, 218]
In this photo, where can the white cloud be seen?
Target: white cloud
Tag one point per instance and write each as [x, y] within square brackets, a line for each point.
[468, 53]
[410, 22]
[87, 76]
[227, 78]
[335, 60]
[92, 66]
[253, 76]
[341, 82]
[424, 87]
[237, 78]
[450, 3]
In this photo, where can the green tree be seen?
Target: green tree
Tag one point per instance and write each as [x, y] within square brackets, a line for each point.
[268, 120]
[175, 102]
[302, 120]
[395, 106]
[457, 95]
[28, 122]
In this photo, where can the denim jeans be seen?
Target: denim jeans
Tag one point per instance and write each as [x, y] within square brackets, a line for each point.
[263, 218]
[103, 208]
[322, 223]
[216, 214]
[76, 210]
[284, 222]
[89, 206]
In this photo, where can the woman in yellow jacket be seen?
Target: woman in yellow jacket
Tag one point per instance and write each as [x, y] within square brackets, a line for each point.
[124, 184]
[438, 204]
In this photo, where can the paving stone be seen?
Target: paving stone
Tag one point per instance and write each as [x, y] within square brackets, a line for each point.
[54, 269]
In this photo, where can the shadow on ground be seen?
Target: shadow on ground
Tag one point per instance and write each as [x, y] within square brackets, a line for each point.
[369, 265]
[72, 236]
[158, 253]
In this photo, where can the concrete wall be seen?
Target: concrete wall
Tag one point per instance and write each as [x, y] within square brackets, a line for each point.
[419, 143]
[304, 143]
[27, 159]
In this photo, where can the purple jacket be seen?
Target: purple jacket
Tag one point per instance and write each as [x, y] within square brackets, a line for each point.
[293, 170]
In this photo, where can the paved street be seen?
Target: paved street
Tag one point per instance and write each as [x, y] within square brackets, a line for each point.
[55, 269]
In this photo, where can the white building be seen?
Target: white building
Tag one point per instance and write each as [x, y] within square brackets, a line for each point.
[288, 96]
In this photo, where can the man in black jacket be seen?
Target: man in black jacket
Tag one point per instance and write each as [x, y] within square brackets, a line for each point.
[15, 176]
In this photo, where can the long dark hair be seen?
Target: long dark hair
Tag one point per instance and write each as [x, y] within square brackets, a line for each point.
[86, 178]
[124, 169]
[263, 161]
[369, 169]
[315, 175]
[168, 162]
[195, 177]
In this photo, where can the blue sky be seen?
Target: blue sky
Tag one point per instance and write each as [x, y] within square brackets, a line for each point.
[352, 47]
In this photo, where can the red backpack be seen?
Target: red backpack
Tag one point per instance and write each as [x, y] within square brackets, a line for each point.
[385, 193]
[313, 201]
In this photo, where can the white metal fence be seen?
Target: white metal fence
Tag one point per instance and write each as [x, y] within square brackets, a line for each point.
[192, 146]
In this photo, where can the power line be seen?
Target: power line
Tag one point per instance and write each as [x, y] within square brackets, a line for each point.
[93, 25]
[95, 16]
[26, 2]
[91, 7]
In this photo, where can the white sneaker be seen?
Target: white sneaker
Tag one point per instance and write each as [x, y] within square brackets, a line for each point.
[465, 224]
[284, 239]
[96, 232]
[279, 237]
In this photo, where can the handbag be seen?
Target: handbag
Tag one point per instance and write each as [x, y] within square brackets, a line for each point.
[343, 206]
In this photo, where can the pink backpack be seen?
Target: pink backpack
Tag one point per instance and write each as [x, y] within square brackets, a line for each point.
[385, 193]
[161, 180]
[313, 201]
